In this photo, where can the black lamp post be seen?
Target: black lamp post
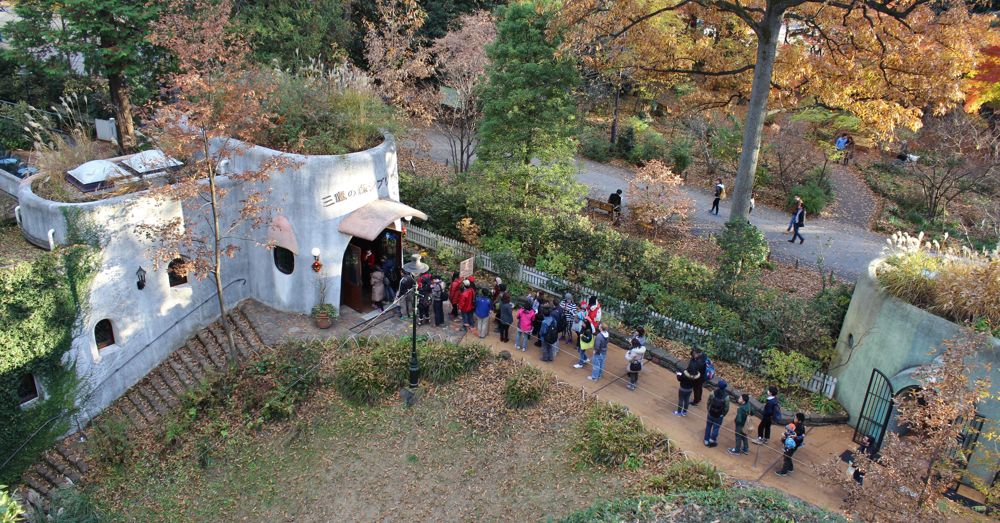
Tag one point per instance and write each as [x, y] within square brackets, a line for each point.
[140, 276]
[415, 268]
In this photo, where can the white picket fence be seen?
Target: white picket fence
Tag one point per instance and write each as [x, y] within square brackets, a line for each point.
[735, 351]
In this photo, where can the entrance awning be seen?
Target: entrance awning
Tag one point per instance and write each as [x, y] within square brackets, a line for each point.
[370, 220]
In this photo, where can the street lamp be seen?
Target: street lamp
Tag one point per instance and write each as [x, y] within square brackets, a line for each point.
[415, 268]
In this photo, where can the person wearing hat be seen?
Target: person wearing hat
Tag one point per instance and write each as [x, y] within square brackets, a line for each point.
[466, 304]
[687, 379]
[789, 445]
[718, 407]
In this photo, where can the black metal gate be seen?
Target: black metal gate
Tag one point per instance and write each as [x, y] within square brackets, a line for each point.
[876, 410]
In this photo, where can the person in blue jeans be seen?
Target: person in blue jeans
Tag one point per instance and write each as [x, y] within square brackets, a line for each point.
[600, 352]
[718, 407]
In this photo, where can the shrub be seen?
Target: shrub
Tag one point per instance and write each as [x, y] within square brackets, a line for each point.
[744, 251]
[649, 145]
[10, 508]
[909, 276]
[820, 404]
[525, 387]
[361, 380]
[680, 155]
[969, 291]
[441, 362]
[610, 435]
[13, 120]
[595, 145]
[70, 505]
[815, 195]
[286, 376]
[110, 441]
[685, 475]
[788, 368]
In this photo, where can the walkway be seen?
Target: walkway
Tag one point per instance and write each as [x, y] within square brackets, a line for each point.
[855, 202]
[654, 401]
[845, 248]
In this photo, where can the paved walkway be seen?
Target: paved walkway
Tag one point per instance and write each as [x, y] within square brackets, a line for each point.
[844, 248]
[855, 202]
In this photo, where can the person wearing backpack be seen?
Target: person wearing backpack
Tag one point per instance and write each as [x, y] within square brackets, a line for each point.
[549, 334]
[586, 340]
[742, 414]
[524, 317]
[635, 357]
[768, 415]
[720, 193]
[437, 300]
[687, 379]
[600, 352]
[798, 437]
[718, 407]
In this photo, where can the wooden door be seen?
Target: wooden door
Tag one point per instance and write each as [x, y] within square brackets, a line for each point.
[351, 285]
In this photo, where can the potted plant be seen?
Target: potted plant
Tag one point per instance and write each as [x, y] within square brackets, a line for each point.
[323, 313]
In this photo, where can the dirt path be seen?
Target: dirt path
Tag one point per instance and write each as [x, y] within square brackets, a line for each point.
[845, 248]
[854, 202]
[654, 401]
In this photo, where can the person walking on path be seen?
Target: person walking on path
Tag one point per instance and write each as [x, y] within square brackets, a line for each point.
[798, 221]
[525, 317]
[718, 407]
[569, 313]
[687, 379]
[586, 340]
[506, 316]
[635, 357]
[742, 414]
[483, 307]
[600, 352]
[437, 300]
[768, 415]
[378, 288]
[549, 334]
[720, 193]
[699, 364]
[467, 304]
[406, 284]
[454, 294]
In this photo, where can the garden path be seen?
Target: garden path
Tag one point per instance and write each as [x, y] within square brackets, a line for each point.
[854, 202]
[654, 401]
[844, 248]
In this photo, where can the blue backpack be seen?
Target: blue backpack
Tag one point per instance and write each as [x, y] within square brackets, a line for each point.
[709, 369]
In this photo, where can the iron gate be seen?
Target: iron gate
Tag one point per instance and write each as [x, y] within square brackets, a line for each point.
[876, 410]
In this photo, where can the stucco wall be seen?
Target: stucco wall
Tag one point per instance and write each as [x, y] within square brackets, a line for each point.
[149, 324]
[883, 332]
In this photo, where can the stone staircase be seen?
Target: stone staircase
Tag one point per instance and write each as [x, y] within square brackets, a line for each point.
[145, 404]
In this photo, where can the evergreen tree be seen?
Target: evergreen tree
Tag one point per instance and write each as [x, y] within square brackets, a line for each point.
[529, 111]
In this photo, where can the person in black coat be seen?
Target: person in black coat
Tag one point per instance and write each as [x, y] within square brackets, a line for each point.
[698, 364]
[798, 221]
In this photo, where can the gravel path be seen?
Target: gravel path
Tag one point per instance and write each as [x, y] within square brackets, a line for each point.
[845, 248]
[855, 203]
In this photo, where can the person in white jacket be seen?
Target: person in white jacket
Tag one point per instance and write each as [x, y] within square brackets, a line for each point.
[634, 357]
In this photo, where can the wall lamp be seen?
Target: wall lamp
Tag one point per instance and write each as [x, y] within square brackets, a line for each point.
[317, 266]
[140, 276]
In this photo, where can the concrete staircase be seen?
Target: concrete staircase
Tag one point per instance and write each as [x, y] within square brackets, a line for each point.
[146, 403]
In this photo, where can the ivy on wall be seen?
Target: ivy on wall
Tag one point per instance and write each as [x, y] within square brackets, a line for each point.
[40, 303]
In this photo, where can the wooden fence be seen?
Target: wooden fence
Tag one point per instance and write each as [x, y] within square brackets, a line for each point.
[719, 346]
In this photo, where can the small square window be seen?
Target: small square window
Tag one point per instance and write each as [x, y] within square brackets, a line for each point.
[177, 271]
[27, 389]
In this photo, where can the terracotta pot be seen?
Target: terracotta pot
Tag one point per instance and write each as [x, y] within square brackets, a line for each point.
[323, 321]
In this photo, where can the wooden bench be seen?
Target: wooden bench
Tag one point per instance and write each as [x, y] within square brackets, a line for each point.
[599, 206]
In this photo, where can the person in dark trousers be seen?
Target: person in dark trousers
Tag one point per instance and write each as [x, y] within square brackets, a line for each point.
[634, 357]
[798, 221]
[536, 326]
[699, 363]
[616, 204]
[718, 407]
[788, 448]
[406, 284]
[687, 380]
[600, 352]
[569, 312]
[454, 294]
[742, 414]
[866, 448]
[720, 193]
[506, 316]
[798, 436]
[768, 415]
[549, 335]
[437, 300]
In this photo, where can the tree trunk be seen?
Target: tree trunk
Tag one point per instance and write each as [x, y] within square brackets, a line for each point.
[767, 48]
[614, 118]
[123, 112]
[231, 355]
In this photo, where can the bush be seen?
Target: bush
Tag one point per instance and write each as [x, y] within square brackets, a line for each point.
[594, 144]
[680, 155]
[70, 505]
[788, 368]
[685, 475]
[650, 145]
[286, 376]
[10, 508]
[360, 380]
[744, 251]
[110, 442]
[609, 435]
[441, 362]
[525, 387]
[820, 404]
[969, 291]
[815, 195]
[13, 120]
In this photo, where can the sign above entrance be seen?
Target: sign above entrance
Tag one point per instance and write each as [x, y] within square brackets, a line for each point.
[466, 267]
[364, 188]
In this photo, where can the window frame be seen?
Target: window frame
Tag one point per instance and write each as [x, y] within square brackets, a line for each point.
[111, 333]
[290, 259]
[175, 280]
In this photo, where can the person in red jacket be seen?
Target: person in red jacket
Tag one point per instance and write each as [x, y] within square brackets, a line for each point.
[466, 304]
[454, 293]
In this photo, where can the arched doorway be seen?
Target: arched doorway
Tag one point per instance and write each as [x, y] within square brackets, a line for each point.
[360, 258]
